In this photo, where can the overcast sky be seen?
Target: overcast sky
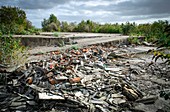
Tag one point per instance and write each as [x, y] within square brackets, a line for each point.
[102, 11]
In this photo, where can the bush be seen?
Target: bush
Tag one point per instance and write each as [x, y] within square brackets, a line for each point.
[13, 20]
[163, 42]
[134, 40]
[51, 27]
[11, 51]
[56, 34]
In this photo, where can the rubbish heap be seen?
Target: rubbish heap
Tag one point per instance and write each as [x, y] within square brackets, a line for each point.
[89, 79]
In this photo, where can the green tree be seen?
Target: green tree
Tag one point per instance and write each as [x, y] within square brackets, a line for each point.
[92, 26]
[44, 23]
[86, 26]
[72, 27]
[12, 20]
[81, 26]
[51, 27]
[128, 28]
[52, 18]
[64, 26]
[109, 28]
[28, 25]
[51, 24]
[157, 29]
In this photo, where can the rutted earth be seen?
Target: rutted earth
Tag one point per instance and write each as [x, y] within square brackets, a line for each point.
[94, 78]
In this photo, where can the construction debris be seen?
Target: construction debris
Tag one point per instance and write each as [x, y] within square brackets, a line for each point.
[93, 78]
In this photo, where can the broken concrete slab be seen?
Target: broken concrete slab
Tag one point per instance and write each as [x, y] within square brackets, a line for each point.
[81, 78]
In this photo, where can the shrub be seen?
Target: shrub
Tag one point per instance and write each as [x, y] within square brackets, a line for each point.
[134, 40]
[13, 20]
[11, 51]
[56, 34]
[163, 42]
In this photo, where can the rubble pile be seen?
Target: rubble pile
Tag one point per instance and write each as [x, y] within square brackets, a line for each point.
[92, 79]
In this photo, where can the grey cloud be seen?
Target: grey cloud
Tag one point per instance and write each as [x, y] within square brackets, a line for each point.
[8, 3]
[144, 7]
[39, 4]
[98, 10]
[33, 4]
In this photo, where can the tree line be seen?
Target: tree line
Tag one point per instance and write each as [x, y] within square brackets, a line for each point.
[13, 20]
[151, 31]
[53, 24]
